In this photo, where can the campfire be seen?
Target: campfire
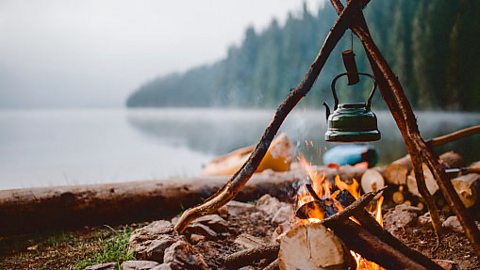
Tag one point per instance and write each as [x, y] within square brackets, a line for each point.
[318, 198]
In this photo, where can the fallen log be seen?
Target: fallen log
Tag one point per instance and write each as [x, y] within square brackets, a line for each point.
[39, 209]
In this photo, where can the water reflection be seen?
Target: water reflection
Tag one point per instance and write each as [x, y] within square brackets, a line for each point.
[217, 131]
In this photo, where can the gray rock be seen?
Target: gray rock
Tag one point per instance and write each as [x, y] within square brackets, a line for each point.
[139, 265]
[399, 217]
[453, 224]
[150, 242]
[214, 222]
[235, 208]
[284, 214]
[268, 204]
[151, 231]
[198, 228]
[103, 266]
[182, 255]
[155, 249]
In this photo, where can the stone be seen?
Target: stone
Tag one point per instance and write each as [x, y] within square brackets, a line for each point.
[103, 266]
[198, 228]
[138, 265]
[150, 242]
[235, 208]
[151, 231]
[276, 211]
[214, 222]
[182, 255]
[268, 204]
[453, 224]
[399, 217]
[247, 241]
[284, 214]
[426, 219]
[195, 238]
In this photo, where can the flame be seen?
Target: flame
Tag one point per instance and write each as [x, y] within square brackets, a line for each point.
[323, 187]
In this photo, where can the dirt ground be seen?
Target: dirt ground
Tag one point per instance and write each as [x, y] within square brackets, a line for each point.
[64, 250]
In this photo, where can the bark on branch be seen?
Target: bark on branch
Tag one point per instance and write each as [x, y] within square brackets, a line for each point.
[235, 184]
[402, 112]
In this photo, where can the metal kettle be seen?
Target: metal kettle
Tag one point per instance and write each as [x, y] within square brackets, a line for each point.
[351, 122]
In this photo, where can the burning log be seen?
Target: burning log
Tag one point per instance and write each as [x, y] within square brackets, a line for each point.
[312, 246]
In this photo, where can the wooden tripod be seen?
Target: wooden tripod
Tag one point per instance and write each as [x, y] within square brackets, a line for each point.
[351, 17]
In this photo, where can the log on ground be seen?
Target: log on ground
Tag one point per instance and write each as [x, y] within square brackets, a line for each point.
[42, 209]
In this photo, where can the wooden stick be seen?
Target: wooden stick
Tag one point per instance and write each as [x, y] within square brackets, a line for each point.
[235, 184]
[401, 110]
[272, 266]
[456, 135]
[248, 256]
[371, 225]
[363, 242]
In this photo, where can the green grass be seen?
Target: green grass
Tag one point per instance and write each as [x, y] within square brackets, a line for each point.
[113, 249]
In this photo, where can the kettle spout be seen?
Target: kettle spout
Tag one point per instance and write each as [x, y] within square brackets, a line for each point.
[327, 110]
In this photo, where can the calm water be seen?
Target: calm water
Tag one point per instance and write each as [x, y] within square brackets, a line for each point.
[44, 148]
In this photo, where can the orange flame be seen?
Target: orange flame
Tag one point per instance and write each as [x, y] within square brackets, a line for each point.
[323, 188]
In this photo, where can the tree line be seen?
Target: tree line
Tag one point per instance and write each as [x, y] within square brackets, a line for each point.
[433, 47]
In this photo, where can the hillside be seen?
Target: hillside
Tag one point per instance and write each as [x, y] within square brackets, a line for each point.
[431, 45]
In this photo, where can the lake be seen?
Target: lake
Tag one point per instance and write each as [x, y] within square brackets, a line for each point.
[69, 147]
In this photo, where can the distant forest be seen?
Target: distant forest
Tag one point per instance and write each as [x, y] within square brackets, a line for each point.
[433, 46]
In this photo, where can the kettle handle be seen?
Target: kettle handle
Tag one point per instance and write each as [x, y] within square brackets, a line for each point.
[370, 96]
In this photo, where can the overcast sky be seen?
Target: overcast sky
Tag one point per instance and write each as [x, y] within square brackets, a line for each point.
[65, 53]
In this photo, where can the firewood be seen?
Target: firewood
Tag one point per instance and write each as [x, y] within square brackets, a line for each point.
[249, 256]
[396, 172]
[467, 187]
[372, 180]
[312, 246]
[432, 185]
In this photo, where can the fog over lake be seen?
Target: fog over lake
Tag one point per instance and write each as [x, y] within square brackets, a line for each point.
[68, 147]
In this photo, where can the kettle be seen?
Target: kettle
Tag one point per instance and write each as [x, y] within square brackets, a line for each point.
[351, 122]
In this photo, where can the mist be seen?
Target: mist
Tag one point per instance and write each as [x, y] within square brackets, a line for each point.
[63, 54]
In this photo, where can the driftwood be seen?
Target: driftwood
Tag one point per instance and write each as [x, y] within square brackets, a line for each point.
[39, 209]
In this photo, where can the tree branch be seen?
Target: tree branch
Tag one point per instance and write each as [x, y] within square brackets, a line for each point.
[236, 183]
[402, 112]
[456, 135]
